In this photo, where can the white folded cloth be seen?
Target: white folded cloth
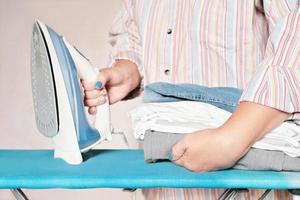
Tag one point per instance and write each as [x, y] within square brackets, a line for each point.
[189, 116]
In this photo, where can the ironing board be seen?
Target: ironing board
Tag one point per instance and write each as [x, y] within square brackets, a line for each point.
[37, 169]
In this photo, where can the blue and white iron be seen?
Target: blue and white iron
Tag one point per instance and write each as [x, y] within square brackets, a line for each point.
[56, 69]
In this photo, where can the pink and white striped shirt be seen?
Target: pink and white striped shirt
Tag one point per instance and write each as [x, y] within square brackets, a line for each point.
[253, 45]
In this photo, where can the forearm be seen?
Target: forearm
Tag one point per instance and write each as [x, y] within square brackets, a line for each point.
[221, 148]
[249, 123]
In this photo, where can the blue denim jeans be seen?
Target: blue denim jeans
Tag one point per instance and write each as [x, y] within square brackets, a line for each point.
[225, 98]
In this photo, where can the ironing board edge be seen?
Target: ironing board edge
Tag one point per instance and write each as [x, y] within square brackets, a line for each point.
[57, 174]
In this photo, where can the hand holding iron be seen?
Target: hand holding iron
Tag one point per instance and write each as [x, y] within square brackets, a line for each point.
[118, 81]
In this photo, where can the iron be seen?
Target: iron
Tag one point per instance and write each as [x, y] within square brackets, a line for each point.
[56, 70]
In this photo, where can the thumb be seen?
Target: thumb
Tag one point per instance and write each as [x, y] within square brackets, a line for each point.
[101, 79]
[104, 76]
[178, 149]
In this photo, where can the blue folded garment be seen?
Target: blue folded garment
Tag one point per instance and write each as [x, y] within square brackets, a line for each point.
[222, 97]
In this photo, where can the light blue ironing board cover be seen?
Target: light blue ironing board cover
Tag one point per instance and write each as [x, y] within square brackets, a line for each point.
[124, 169]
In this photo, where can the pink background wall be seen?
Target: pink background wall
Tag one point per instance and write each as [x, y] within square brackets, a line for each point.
[85, 24]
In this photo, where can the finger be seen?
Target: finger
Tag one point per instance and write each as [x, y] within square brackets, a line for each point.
[92, 110]
[88, 85]
[179, 149]
[95, 102]
[92, 94]
[179, 161]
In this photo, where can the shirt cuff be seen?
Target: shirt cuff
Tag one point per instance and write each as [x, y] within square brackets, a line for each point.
[276, 87]
[127, 55]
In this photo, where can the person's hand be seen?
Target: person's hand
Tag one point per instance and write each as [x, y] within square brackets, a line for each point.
[118, 81]
[220, 148]
[205, 150]
[109, 79]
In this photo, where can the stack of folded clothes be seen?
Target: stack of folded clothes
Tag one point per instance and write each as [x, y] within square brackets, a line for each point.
[170, 111]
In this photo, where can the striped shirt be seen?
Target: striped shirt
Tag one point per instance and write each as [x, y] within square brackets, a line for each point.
[253, 45]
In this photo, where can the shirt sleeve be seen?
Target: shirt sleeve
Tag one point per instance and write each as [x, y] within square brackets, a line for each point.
[276, 82]
[125, 42]
[124, 37]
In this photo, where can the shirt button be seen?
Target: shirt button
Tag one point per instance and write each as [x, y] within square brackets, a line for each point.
[169, 31]
[167, 72]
